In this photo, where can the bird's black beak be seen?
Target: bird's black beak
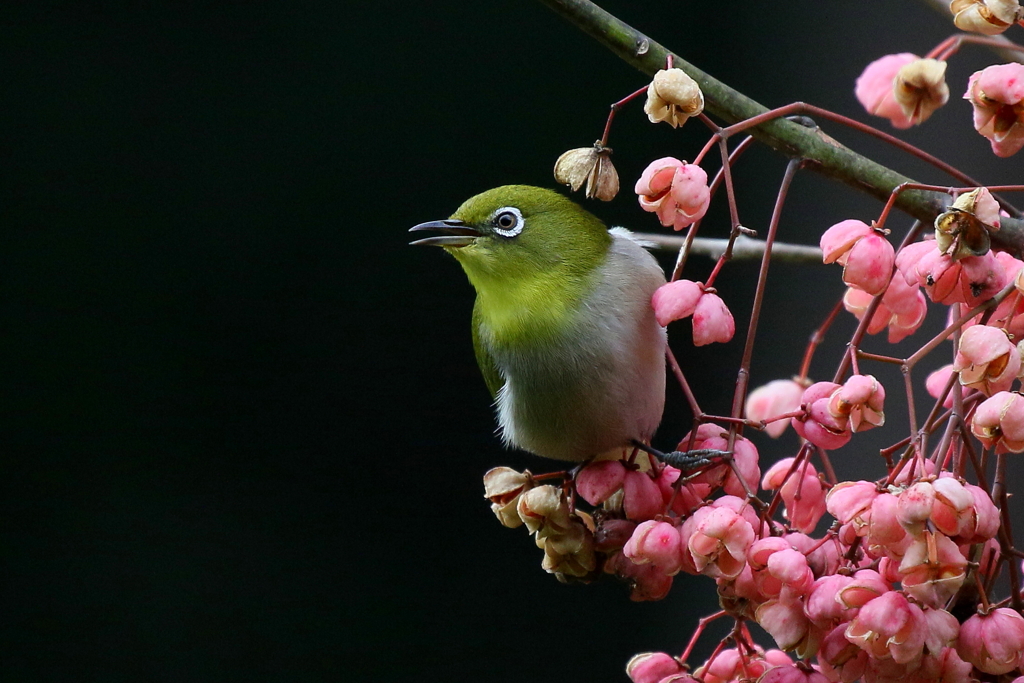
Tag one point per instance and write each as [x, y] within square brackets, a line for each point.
[455, 234]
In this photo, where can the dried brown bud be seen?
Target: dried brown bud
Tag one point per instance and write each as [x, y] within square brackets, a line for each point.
[964, 229]
[988, 17]
[673, 97]
[503, 486]
[590, 165]
[920, 88]
[571, 553]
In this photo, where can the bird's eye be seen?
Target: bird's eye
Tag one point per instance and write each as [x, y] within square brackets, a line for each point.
[508, 221]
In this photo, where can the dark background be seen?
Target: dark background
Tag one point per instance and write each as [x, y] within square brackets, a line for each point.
[242, 428]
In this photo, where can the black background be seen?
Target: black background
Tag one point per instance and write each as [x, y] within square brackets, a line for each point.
[242, 428]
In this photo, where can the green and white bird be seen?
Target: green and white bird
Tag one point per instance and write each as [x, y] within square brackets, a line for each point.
[563, 326]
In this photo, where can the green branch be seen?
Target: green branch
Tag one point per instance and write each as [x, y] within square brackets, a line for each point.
[820, 152]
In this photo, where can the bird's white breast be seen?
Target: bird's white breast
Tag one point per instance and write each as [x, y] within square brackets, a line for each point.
[601, 381]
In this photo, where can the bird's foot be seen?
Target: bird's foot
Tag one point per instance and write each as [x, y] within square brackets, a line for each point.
[685, 460]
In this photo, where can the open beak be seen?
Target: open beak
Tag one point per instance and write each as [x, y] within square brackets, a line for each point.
[454, 234]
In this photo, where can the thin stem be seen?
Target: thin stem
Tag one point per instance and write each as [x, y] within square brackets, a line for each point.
[701, 625]
[683, 384]
[743, 376]
[614, 110]
[817, 337]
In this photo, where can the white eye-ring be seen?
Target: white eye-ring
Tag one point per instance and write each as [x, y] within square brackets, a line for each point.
[508, 221]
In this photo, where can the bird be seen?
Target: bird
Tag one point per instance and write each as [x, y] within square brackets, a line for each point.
[563, 328]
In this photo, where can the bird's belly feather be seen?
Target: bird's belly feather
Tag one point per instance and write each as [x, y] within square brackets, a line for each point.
[600, 382]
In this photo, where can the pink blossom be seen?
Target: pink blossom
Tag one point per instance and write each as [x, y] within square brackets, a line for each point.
[986, 359]
[823, 558]
[802, 493]
[867, 585]
[651, 667]
[712, 321]
[822, 604]
[866, 256]
[869, 264]
[997, 95]
[676, 300]
[992, 642]
[941, 629]
[915, 506]
[784, 619]
[717, 539]
[641, 498]
[945, 666]
[733, 665]
[936, 383]
[837, 241]
[647, 582]
[792, 673]
[776, 565]
[684, 498]
[740, 594]
[778, 397]
[970, 280]
[980, 522]
[657, 543]
[840, 659]
[933, 569]
[677, 191]
[902, 309]
[817, 425]
[999, 422]
[874, 88]
[860, 401]
[850, 500]
[914, 471]
[911, 263]
[953, 503]
[981, 278]
[883, 534]
[889, 626]
[596, 482]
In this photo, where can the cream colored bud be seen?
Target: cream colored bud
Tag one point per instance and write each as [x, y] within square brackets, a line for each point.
[920, 88]
[571, 553]
[982, 204]
[960, 232]
[543, 506]
[988, 17]
[1018, 283]
[673, 97]
[503, 486]
[502, 482]
[590, 165]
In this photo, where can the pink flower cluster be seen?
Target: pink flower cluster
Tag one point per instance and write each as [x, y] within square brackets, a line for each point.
[905, 550]
[867, 258]
[833, 412]
[712, 321]
[663, 526]
[945, 269]
[906, 90]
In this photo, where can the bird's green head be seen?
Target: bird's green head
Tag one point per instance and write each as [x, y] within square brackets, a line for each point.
[521, 240]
